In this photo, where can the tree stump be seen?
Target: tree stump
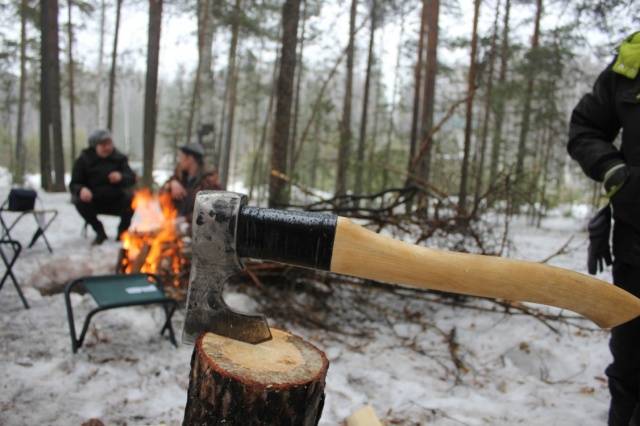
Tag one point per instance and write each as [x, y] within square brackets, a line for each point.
[279, 382]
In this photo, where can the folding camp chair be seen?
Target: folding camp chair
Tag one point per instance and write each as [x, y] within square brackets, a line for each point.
[118, 291]
[42, 217]
[9, 261]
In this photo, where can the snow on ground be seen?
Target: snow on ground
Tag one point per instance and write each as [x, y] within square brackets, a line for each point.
[517, 370]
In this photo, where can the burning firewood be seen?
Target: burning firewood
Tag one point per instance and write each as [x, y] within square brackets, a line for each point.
[157, 241]
[140, 259]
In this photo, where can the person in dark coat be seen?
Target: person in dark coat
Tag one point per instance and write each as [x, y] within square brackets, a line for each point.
[614, 104]
[190, 177]
[101, 183]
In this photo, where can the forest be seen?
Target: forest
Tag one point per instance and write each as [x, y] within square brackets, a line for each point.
[454, 98]
[395, 203]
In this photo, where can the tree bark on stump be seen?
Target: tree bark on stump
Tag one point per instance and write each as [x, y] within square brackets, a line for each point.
[279, 382]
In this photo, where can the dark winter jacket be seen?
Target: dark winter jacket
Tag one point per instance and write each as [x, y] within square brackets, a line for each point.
[92, 172]
[614, 104]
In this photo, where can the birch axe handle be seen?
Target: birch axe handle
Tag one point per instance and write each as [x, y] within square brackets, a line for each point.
[366, 254]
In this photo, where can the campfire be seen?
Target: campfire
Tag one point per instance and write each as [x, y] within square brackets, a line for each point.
[157, 242]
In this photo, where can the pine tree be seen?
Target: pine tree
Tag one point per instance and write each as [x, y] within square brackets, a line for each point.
[468, 128]
[150, 90]
[344, 150]
[280, 145]
[50, 110]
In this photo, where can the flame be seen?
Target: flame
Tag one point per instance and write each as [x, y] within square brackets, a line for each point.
[152, 244]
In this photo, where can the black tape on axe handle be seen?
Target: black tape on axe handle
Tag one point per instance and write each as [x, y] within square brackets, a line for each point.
[294, 237]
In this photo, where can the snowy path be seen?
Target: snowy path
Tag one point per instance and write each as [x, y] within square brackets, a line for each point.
[519, 371]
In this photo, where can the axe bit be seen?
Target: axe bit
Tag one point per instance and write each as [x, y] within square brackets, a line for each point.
[225, 229]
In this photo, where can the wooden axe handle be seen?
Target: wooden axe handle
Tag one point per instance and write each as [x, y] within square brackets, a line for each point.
[366, 254]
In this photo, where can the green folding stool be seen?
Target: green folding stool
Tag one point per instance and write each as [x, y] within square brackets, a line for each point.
[119, 291]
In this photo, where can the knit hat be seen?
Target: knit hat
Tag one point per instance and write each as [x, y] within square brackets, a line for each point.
[98, 136]
[194, 149]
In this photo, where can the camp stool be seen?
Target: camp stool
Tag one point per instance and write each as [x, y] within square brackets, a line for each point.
[42, 217]
[119, 291]
[9, 261]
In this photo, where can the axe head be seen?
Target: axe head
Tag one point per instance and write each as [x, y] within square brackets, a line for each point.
[214, 261]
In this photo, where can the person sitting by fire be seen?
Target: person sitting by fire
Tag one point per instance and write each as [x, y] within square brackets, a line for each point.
[190, 176]
[101, 183]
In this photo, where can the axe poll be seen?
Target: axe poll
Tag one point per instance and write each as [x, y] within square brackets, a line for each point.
[225, 229]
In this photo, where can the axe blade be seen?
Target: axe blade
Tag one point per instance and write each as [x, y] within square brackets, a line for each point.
[214, 262]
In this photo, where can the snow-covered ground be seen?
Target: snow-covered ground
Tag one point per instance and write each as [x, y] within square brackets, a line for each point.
[515, 369]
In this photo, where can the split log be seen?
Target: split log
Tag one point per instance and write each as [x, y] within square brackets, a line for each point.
[364, 417]
[279, 382]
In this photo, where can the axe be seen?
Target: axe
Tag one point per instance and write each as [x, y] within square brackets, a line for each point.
[225, 229]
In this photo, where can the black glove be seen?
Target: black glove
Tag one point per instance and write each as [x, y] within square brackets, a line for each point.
[599, 249]
[626, 200]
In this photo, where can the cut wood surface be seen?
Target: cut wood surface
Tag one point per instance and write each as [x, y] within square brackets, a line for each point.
[363, 253]
[364, 417]
[280, 381]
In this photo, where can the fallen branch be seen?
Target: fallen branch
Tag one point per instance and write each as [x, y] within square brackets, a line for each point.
[453, 346]
[561, 250]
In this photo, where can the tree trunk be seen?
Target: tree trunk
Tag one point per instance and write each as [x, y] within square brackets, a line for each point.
[208, 53]
[255, 75]
[315, 157]
[487, 112]
[413, 139]
[416, 95]
[290, 16]
[7, 89]
[429, 96]
[21, 157]
[345, 124]
[496, 142]
[72, 98]
[358, 187]
[205, 113]
[296, 107]
[232, 82]
[391, 128]
[99, 110]
[50, 111]
[257, 160]
[528, 94]
[151, 89]
[223, 120]
[203, 12]
[277, 382]
[112, 72]
[471, 88]
[547, 145]
[370, 163]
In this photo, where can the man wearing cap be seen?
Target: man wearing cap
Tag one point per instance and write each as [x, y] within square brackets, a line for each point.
[614, 105]
[101, 183]
[190, 177]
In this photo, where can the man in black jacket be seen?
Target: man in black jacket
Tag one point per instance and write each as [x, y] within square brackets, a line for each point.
[614, 104]
[100, 184]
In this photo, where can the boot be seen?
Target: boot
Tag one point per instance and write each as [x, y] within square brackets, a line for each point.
[101, 236]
